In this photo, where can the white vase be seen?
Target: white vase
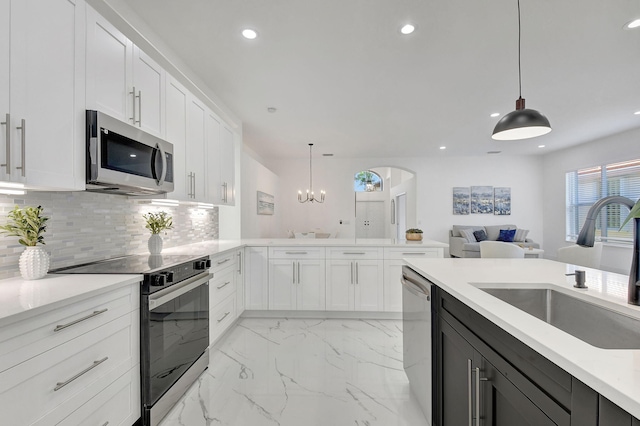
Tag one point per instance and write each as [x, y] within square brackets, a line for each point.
[155, 244]
[34, 263]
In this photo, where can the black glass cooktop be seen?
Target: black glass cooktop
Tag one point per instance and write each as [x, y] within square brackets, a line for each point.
[135, 264]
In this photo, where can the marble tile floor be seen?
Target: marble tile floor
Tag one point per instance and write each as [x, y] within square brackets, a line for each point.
[303, 372]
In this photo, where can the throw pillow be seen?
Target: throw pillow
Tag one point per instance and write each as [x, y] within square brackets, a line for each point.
[521, 235]
[480, 235]
[507, 235]
[468, 235]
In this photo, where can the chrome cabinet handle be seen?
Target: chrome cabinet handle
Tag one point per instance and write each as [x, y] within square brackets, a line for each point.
[69, 324]
[7, 123]
[357, 277]
[351, 272]
[60, 385]
[239, 263]
[295, 252]
[139, 108]
[226, 192]
[298, 272]
[470, 391]
[224, 316]
[194, 185]
[223, 285]
[105, 423]
[353, 252]
[133, 105]
[23, 144]
[414, 253]
[293, 275]
[478, 380]
[224, 261]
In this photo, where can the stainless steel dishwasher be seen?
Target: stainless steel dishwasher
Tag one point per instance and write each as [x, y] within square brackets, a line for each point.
[416, 325]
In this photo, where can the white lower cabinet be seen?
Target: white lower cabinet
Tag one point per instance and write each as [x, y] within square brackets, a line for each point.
[297, 284]
[239, 282]
[256, 278]
[86, 351]
[354, 285]
[222, 316]
[222, 294]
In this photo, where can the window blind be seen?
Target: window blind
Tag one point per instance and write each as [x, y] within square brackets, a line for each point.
[586, 186]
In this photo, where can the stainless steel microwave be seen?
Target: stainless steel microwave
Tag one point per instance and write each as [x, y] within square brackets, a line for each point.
[122, 159]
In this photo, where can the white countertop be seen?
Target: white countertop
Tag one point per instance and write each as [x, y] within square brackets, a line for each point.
[613, 373]
[20, 298]
[219, 246]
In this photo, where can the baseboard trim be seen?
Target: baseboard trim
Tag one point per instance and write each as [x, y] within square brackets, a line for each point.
[321, 314]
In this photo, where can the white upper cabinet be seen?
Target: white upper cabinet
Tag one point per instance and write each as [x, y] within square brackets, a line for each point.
[122, 80]
[149, 92]
[214, 186]
[176, 126]
[195, 149]
[227, 166]
[42, 54]
[109, 71]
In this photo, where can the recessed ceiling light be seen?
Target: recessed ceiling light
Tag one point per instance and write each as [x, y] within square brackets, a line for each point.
[407, 29]
[249, 34]
[495, 114]
[633, 24]
[541, 146]
[443, 147]
[132, 155]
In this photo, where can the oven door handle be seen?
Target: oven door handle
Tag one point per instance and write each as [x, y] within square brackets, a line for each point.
[170, 293]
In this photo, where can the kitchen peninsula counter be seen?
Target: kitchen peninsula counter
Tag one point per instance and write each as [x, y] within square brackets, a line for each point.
[615, 374]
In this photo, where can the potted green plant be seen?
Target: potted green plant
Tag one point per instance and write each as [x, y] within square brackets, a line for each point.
[28, 224]
[156, 223]
[414, 234]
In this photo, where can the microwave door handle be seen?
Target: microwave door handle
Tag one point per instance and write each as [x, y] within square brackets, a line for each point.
[164, 165]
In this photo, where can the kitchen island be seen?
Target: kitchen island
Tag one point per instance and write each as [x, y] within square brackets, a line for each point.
[612, 373]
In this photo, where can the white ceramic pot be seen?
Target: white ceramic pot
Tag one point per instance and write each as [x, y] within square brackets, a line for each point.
[155, 244]
[34, 263]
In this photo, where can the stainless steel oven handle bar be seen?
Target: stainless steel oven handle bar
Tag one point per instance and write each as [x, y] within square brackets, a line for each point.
[170, 293]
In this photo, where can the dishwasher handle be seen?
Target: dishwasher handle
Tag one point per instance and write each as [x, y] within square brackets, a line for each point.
[415, 287]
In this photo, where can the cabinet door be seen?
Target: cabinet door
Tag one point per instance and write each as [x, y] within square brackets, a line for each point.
[392, 286]
[47, 86]
[454, 378]
[256, 278]
[282, 282]
[214, 186]
[310, 285]
[109, 71]
[503, 404]
[176, 132]
[149, 84]
[368, 285]
[227, 166]
[340, 285]
[196, 119]
[239, 282]
[5, 27]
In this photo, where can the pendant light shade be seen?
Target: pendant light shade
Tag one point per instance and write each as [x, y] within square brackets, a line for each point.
[522, 123]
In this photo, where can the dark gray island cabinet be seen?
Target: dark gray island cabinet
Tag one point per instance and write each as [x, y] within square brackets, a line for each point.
[485, 376]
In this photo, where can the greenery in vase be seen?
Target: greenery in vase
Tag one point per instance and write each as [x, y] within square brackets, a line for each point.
[414, 231]
[28, 224]
[158, 222]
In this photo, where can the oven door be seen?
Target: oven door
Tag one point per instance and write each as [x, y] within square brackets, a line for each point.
[175, 333]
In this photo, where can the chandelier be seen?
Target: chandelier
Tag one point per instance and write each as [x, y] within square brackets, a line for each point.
[310, 195]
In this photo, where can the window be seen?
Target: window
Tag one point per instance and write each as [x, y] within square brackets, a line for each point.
[367, 181]
[586, 186]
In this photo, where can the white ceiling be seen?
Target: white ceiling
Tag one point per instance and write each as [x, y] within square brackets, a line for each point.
[343, 77]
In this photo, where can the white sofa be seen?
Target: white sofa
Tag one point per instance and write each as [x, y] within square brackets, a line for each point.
[459, 246]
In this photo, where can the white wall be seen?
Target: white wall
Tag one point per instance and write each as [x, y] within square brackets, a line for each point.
[620, 147]
[435, 178]
[256, 177]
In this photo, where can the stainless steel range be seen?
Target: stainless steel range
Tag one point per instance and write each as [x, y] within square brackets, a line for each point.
[174, 321]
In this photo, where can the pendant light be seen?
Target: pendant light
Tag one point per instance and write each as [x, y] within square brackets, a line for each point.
[310, 195]
[523, 123]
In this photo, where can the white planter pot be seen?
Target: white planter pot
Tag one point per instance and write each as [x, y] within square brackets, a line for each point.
[155, 244]
[34, 263]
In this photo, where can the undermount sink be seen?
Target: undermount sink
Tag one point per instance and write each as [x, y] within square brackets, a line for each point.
[591, 323]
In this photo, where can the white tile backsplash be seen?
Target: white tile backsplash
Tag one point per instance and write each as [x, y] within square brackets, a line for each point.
[86, 226]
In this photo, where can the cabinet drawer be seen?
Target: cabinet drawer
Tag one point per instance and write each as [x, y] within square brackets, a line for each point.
[220, 262]
[32, 336]
[222, 286]
[222, 316]
[354, 253]
[303, 252]
[417, 252]
[118, 404]
[63, 377]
